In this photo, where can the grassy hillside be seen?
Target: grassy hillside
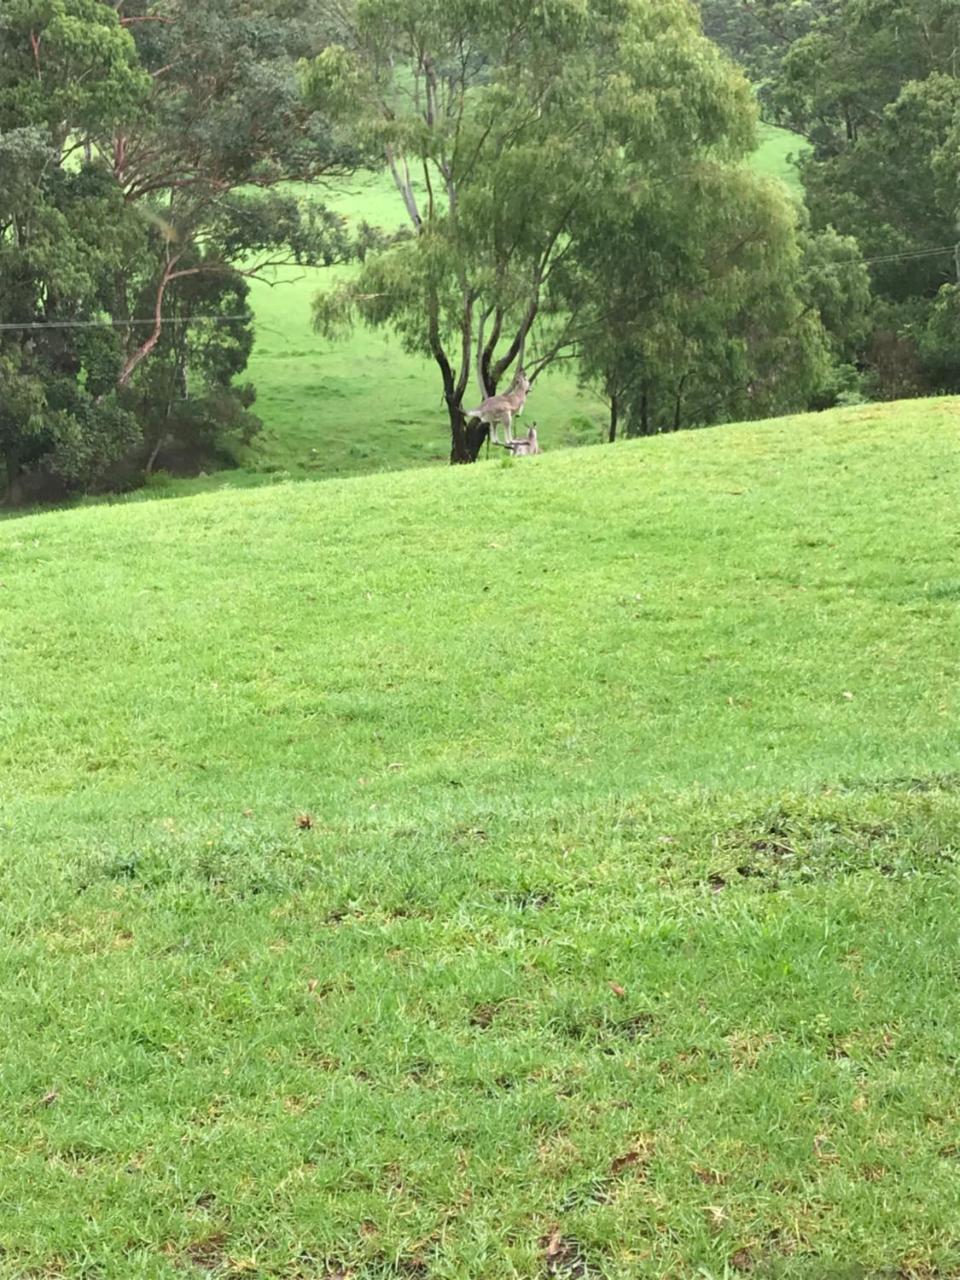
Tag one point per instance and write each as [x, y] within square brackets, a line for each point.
[526, 870]
[777, 153]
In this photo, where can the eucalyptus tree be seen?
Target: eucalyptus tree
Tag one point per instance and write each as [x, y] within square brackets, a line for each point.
[733, 309]
[514, 133]
[64, 234]
[144, 148]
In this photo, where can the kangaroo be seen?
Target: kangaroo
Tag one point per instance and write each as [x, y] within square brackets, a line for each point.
[525, 445]
[528, 446]
[497, 410]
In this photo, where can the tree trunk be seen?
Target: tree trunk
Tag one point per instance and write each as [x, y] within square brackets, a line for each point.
[466, 436]
[678, 406]
[151, 461]
[614, 416]
[11, 458]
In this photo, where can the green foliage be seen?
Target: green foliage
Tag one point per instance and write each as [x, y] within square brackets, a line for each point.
[523, 127]
[140, 152]
[875, 88]
[835, 283]
[311, 920]
[938, 340]
[713, 307]
[191, 410]
[226, 126]
[64, 232]
[67, 66]
[759, 34]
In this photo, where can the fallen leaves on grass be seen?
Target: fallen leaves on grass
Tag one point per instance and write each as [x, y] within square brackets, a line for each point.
[483, 1015]
[624, 1162]
[207, 1253]
[637, 1155]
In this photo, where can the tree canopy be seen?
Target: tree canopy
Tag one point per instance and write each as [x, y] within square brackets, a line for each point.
[143, 152]
[874, 88]
[575, 183]
[575, 186]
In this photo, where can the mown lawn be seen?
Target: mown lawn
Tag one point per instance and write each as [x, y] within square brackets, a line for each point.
[532, 870]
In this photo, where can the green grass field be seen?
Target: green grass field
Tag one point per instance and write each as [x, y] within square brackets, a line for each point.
[776, 155]
[532, 870]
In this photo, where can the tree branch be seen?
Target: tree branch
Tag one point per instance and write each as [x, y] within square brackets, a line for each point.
[518, 344]
[482, 357]
[490, 348]
[436, 348]
[405, 188]
[469, 298]
[141, 353]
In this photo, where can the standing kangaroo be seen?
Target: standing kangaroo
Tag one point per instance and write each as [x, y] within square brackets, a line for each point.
[501, 409]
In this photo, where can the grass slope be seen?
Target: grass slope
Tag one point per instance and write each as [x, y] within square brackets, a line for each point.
[775, 156]
[527, 870]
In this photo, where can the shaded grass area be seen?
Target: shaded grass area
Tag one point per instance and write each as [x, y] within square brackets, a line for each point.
[549, 870]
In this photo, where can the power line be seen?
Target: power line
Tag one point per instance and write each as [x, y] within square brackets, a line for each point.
[21, 325]
[909, 254]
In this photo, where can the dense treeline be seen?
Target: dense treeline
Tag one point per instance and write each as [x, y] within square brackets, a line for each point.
[575, 180]
[142, 150]
[874, 90]
[758, 34]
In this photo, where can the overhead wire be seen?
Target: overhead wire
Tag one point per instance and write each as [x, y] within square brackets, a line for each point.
[118, 324]
[7, 326]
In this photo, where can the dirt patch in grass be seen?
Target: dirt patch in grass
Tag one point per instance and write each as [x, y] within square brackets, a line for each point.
[563, 1256]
